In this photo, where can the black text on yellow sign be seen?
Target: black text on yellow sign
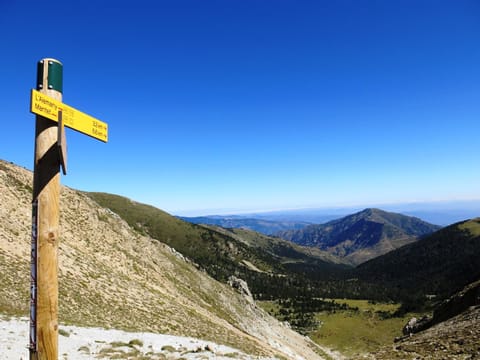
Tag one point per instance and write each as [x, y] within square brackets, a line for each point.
[48, 107]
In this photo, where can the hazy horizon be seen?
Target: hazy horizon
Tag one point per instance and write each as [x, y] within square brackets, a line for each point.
[446, 212]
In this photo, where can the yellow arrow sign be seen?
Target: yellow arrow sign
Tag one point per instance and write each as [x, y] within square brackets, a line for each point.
[48, 107]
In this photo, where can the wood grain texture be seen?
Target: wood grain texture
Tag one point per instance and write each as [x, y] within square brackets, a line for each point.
[47, 192]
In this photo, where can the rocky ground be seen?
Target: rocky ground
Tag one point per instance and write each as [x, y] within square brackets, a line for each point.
[76, 343]
[456, 338]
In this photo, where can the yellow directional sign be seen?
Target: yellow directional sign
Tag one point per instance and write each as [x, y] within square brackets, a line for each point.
[48, 107]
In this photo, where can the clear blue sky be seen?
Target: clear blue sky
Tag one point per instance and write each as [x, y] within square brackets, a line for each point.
[232, 105]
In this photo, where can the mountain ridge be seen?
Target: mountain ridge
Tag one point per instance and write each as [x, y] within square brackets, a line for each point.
[112, 276]
[362, 236]
[223, 252]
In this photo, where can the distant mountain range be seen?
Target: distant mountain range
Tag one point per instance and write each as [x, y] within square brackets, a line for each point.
[354, 238]
[267, 227]
[363, 235]
[440, 212]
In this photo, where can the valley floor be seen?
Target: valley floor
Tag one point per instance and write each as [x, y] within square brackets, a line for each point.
[76, 343]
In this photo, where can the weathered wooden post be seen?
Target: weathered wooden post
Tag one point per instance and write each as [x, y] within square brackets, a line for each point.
[45, 218]
[50, 153]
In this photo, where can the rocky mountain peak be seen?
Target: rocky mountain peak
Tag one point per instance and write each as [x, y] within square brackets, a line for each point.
[362, 236]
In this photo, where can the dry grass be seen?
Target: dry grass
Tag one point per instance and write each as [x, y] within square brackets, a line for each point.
[111, 276]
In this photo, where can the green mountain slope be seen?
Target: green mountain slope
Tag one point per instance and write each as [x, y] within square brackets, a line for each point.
[285, 252]
[439, 264]
[224, 253]
[362, 236]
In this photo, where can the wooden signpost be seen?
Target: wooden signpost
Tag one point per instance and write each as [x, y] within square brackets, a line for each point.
[50, 154]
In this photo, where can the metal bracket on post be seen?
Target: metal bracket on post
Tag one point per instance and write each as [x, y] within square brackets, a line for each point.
[62, 143]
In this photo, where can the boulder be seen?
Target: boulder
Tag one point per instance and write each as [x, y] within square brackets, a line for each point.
[415, 325]
[241, 286]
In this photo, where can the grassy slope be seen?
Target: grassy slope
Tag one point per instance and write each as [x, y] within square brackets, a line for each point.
[356, 332]
[358, 328]
[110, 276]
[216, 252]
[441, 263]
[222, 252]
[285, 251]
